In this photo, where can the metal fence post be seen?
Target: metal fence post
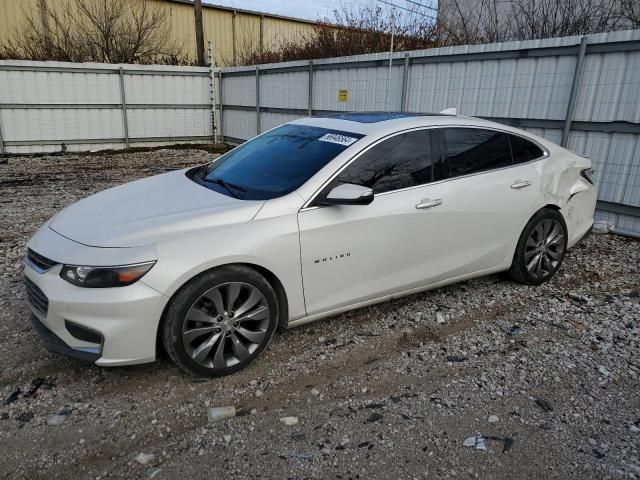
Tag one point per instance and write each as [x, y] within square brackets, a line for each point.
[2, 150]
[258, 101]
[220, 100]
[123, 102]
[571, 106]
[212, 79]
[405, 81]
[310, 93]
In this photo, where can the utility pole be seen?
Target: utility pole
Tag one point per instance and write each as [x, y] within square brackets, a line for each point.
[197, 11]
[393, 32]
[44, 13]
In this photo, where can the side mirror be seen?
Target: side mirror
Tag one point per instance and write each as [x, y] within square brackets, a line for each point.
[348, 194]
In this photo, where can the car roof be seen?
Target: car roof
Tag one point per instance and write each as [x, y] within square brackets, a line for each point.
[371, 117]
[379, 123]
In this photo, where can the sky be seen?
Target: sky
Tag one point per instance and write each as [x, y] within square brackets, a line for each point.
[309, 9]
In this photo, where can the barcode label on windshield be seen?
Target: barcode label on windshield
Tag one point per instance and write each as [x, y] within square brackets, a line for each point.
[339, 139]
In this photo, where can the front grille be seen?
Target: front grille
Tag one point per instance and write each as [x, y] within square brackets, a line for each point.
[39, 262]
[37, 299]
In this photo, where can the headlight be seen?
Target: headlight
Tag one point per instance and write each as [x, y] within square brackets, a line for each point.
[105, 277]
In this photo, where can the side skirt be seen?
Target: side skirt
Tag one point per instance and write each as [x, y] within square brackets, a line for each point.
[318, 316]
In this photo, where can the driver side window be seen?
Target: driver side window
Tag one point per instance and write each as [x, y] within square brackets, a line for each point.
[402, 161]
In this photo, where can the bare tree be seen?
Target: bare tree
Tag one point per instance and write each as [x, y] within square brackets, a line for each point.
[352, 30]
[106, 31]
[464, 22]
[560, 18]
[630, 13]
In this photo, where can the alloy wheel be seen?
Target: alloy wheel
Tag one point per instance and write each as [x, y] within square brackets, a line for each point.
[544, 248]
[226, 325]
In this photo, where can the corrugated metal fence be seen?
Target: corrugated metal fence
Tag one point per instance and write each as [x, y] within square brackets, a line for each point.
[582, 92]
[53, 106]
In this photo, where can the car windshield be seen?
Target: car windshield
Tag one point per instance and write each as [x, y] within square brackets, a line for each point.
[273, 164]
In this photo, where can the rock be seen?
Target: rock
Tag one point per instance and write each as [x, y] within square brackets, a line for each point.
[514, 330]
[456, 358]
[440, 318]
[145, 458]
[634, 429]
[25, 417]
[315, 392]
[217, 414]
[545, 405]
[13, 397]
[289, 420]
[374, 417]
[601, 227]
[493, 419]
[55, 420]
[258, 393]
[227, 438]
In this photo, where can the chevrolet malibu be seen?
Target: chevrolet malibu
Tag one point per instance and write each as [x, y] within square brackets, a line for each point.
[310, 219]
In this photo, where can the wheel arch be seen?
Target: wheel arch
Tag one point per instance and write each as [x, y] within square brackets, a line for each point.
[552, 206]
[274, 281]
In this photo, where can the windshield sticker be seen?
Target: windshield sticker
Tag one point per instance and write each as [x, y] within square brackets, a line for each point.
[339, 139]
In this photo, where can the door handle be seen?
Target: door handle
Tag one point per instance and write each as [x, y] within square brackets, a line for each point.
[429, 203]
[521, 184]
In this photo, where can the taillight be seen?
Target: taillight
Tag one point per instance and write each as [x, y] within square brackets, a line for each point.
[587, 174]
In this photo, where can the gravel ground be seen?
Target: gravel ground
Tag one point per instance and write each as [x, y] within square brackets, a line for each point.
[548, 377]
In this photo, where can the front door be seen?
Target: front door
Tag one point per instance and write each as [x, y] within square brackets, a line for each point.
[352, 253]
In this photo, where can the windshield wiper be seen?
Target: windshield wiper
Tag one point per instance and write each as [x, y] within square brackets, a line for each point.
[226, 185]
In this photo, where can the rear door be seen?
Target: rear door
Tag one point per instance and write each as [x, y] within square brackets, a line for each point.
[486, 201]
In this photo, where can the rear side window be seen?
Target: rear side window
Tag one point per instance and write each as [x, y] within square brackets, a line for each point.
[524, 150]
[473, 150]
[402, 161]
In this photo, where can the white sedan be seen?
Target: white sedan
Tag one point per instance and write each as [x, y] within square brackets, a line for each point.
[310, 219]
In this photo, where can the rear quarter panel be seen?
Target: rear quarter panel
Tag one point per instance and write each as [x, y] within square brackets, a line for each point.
[564, 186]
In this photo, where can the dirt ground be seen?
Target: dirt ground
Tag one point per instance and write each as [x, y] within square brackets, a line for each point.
[549, 376]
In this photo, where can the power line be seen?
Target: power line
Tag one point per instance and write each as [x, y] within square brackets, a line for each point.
[421, 5]
[407, 9]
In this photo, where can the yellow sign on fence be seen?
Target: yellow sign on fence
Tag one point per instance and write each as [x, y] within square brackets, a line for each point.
[343, 95]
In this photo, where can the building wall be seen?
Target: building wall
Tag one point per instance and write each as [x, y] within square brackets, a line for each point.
[218, 25]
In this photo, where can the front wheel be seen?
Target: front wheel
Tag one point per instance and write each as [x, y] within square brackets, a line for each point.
[220, 321]
[541, 248]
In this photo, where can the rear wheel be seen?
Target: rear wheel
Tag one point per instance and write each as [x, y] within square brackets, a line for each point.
[541, 248]
[220, 321]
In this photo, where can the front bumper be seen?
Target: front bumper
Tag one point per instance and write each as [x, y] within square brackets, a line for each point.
[124, 320]
[56, 345]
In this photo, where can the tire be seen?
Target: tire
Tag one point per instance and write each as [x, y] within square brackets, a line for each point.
[541, 248]
[204, 337]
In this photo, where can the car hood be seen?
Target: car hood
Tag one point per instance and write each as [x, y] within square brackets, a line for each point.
[149, 211]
